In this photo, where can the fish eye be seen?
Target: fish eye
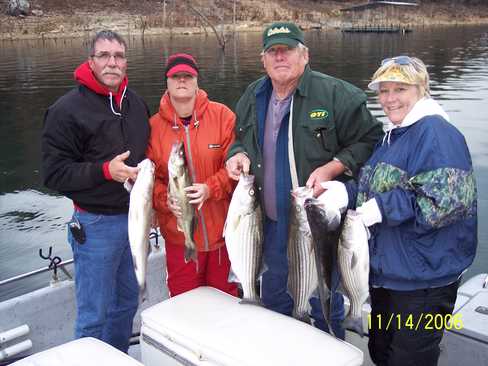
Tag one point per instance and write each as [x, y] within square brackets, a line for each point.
[251, 192]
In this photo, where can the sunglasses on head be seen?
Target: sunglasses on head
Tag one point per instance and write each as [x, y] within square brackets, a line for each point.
[399, 60]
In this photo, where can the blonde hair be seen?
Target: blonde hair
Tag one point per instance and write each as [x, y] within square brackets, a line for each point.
[415, 71]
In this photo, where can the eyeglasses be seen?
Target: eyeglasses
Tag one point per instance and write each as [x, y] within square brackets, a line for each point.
[273, 51]
[105, 57]
[399, 60]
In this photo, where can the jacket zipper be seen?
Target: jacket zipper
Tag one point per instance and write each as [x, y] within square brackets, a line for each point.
[193, 178]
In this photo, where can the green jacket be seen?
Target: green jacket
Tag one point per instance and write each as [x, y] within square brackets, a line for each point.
[330, 119]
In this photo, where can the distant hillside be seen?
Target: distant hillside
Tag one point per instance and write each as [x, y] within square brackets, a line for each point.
[61, 18]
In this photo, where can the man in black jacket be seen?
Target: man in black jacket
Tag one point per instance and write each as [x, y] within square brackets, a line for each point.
[93, 138]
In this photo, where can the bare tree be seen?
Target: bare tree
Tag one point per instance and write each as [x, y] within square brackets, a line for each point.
[164, 13]
[234, 16]
[220, 36]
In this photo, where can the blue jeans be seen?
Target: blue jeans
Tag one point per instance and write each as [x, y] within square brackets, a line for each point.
[107, 293]
[274, 286]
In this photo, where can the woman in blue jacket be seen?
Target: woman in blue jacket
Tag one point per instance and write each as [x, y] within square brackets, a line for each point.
[417, 195]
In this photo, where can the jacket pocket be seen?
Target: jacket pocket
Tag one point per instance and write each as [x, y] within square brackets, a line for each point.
[245, 131]
[247, 135]
[319, 140]
[428, 255]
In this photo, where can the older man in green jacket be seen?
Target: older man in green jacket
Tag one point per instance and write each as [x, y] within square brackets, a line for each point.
[332, 133]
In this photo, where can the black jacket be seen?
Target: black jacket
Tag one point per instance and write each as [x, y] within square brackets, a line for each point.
[82, 131]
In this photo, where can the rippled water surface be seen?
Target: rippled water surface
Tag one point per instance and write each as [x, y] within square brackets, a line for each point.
[33, 74]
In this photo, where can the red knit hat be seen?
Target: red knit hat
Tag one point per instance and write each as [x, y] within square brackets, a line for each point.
[181, 62]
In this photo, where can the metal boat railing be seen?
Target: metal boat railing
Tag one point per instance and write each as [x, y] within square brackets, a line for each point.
[60, 265]
[56, 262]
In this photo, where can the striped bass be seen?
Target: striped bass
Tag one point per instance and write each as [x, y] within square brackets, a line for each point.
[243, 232]
[178, 179]
[140, 217]
[325, 229]
[353, 257]
[302, 270]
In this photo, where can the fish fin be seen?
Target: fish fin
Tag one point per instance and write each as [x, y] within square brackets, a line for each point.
[232, 276]
[354, 324]
[194, 224]
[251, 302]
[262, 268]
[223, 229]
[340, 288]
[354, 260]
[178, 226]
[228, 224]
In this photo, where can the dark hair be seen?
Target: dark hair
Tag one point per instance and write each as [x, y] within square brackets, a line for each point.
[109, 36]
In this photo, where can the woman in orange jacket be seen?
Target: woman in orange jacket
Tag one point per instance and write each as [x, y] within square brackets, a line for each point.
[206, 129]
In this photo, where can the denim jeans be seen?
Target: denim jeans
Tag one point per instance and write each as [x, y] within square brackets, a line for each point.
[274, 286]
[106, 286]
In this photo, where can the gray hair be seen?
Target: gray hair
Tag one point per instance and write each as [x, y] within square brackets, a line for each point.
[109, 35]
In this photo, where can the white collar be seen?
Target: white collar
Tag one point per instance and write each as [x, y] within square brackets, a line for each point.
[424, 107]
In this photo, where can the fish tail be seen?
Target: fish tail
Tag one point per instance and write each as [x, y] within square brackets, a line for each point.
[355, 324]
[326, 310]
[302, 317]
[190, 252]
[142, 294]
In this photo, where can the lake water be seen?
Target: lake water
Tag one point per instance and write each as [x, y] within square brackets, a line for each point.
[33, 74]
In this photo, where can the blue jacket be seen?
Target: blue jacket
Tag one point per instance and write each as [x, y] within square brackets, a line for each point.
[422, 179]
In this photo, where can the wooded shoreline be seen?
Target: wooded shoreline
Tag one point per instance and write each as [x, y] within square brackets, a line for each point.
[68, 18]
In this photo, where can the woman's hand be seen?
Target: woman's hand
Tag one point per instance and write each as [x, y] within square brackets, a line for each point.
[174, 206]
[370, 212]
[335, 195]
[198, 193]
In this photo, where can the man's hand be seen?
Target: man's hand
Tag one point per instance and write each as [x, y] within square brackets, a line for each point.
[119, 171]
[198, 193]
[238, 164]
[173, 206]
[324, 173]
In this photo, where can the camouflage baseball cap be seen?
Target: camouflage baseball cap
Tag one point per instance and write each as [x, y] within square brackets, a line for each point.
[282, 33]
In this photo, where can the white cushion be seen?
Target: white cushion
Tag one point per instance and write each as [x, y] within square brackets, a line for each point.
[80, 352]
[214, 328]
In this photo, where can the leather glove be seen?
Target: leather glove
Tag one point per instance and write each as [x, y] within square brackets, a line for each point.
[335, 195]
[370, 212]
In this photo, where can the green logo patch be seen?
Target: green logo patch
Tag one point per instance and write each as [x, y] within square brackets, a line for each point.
[318, 114]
